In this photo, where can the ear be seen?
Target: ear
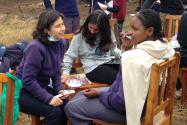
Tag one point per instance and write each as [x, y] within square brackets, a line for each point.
[47, 31]
[150, 31]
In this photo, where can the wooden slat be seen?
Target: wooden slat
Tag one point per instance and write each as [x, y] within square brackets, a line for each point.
[9, 98]
[171, 25]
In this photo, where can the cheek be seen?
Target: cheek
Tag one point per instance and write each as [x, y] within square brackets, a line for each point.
[139, 36]
[55, 31]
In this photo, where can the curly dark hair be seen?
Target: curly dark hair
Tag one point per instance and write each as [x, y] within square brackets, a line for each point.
[99, 18]
[46, 20]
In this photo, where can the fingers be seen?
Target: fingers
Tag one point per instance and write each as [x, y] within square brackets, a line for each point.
[56, 101]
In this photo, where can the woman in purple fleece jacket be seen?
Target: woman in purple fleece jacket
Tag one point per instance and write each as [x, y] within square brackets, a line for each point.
[41, 65]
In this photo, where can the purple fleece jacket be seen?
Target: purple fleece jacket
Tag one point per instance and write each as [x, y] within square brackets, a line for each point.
[40, 63]
[114, 97]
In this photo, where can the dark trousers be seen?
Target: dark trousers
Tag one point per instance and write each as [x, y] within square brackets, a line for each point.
[53, 115]
[183, 63]
[105, 73]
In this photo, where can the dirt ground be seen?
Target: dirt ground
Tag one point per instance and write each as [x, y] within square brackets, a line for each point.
[28, 10]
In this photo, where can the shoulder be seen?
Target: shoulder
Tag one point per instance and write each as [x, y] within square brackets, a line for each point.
[78, 38]
[35, 45]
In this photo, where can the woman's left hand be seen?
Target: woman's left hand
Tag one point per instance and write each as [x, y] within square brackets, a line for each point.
[92, 92]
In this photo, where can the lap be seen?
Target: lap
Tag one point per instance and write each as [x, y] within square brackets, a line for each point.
[31, 105]
[92, 108]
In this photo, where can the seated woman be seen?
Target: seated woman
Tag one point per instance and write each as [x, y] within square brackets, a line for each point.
[95, 45]
[108, 104]
[41, 64]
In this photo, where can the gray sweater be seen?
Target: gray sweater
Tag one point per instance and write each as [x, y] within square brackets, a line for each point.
[90, 57]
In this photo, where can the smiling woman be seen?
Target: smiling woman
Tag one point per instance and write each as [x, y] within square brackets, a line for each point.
[41, 64]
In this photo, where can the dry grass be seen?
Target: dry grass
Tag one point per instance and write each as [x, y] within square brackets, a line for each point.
[16, 26]
[13, 28]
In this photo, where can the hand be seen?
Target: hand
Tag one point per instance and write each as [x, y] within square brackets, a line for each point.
[127, 41]
[65, 96]
[65, 77]
[92, 92]
[103, 8]
[55, 101]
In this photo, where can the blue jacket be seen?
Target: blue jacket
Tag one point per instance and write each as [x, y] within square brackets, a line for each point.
[67, 7]
[114, 97]
[40, 63]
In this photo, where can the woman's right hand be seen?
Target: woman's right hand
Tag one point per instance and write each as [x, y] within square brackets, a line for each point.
[127, 42]
[65, 77]
[55, 101]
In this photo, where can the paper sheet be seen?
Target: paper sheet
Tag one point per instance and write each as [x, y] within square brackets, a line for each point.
[103, 5]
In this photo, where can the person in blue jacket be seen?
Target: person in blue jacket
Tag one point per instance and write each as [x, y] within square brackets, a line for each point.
[70, 11]
[41, 64]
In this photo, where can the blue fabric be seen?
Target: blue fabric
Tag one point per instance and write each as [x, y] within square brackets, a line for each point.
[114, 97]
[2, 51]
[67, 7]
[156, 7]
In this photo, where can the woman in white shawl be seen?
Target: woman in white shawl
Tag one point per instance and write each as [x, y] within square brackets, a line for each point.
[148, 47]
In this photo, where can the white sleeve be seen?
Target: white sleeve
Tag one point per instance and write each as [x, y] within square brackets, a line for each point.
[70, 55]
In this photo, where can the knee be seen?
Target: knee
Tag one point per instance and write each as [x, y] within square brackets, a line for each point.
[69, 109]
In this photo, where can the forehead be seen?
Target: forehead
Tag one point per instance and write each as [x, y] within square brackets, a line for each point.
[59, 20]
[136, 21]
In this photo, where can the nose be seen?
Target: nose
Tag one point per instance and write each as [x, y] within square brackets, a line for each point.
[92, 31]
[63, 27]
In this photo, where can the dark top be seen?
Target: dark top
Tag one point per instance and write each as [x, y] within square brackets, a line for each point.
[182, 38]
[67, 7]
[114, 97]
[40, 63]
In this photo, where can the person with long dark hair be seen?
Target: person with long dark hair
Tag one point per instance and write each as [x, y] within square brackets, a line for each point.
[111, 104]
[40, 66]
[95, 45]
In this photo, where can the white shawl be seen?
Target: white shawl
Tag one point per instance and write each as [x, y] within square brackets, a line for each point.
[136, 69]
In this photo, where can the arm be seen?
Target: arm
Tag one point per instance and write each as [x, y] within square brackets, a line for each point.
[56, 81]
[112, 99]
[31, 69]
[47, 4]
[70, 55]
[115, 51]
